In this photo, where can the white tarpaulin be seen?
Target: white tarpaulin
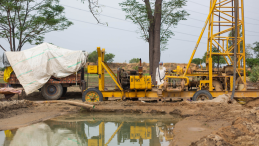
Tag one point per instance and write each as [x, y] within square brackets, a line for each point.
[35, 66]
[41, 134]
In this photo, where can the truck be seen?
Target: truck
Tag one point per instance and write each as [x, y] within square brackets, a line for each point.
[55, 88]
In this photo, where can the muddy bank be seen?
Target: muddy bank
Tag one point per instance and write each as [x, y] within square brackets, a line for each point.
[15, 114]
[201, 123]
[243, 130]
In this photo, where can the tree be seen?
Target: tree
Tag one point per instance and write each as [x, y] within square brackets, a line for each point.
[109, 58]
[256, 49]
[214, 58]
[155, 18]
[251, 62]
[254, 74]
[197, 61]
[93, 57]
[134, 60]
[27, 21]
[249, 48]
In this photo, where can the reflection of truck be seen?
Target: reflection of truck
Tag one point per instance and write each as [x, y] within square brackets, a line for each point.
[55, 87]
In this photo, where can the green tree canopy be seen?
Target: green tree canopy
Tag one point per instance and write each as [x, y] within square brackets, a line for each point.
[134, 60]
[197, 61]
[256, 49]
[27, 21]
[214, 58]
[93, 57]
[254, 74]
[251, 62]
[155, 19]
[138, 13]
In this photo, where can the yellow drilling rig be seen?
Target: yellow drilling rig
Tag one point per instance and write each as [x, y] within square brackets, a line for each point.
[201, 84]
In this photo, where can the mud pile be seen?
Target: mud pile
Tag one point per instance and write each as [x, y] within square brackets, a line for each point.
[224, 99]
[243, 131]
[134, 66]
[15, 104]
[6, 107]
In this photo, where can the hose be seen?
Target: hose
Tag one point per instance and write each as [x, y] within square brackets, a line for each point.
[67, 102]
[235, 50]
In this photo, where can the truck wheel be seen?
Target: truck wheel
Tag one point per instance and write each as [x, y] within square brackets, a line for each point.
[92, 95]
[52, 91]
[202, 95]
[64, 91]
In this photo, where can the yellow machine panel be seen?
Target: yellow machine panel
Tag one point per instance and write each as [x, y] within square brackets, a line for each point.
[142, 83]
[137, 132]
[92, 69]
[92, 142]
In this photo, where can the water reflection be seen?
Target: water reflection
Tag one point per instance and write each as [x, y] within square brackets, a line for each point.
[96, 130]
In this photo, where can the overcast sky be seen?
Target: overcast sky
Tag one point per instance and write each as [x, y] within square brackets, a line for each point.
[126, 43]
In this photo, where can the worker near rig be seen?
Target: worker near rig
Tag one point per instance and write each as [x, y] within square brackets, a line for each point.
[160, 74]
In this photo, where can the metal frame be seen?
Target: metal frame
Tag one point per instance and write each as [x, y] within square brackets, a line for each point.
[220, 9]
[221, 40]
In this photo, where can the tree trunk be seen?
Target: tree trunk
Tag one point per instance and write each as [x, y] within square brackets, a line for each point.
[151, 48]
[151, 35]
[13, 32]
[156, 54]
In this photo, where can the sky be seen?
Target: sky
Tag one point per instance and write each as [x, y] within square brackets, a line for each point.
[125, 42]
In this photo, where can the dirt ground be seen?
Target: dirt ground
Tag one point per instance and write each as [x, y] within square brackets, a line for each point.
[203, 123]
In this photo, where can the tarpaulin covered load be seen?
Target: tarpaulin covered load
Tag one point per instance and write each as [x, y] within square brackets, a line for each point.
[35, 66]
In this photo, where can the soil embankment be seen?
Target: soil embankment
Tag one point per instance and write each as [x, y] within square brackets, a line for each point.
[204, 123]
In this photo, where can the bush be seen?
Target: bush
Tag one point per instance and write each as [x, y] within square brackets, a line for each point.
[135, 68]
[254, 74]
[134, 60]
[93, 57]
[248, 73]
[250, 62]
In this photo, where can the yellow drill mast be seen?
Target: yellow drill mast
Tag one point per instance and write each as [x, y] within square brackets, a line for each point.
[220, 22]
[209, 83]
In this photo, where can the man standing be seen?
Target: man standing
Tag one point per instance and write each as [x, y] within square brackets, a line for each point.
[160, 74]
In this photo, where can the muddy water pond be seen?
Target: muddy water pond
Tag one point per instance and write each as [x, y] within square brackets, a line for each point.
[95, 129]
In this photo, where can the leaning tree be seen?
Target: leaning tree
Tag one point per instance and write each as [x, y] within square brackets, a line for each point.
[27, 21]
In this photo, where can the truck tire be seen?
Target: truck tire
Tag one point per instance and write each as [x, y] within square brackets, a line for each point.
[92, 95]
[52, 91]
[202, 95]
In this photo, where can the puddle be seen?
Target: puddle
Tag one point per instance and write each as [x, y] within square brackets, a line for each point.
[96, 129]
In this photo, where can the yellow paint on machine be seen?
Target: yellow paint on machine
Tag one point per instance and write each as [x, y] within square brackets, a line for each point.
[93, 142]
[137, 132]
[92, 69]
[137, 83]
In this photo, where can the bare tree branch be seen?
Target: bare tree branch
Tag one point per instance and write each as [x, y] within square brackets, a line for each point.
[10, 31]
[2, 47]
[92, 5]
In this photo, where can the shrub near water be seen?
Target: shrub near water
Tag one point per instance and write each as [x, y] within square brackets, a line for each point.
[254, 74]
